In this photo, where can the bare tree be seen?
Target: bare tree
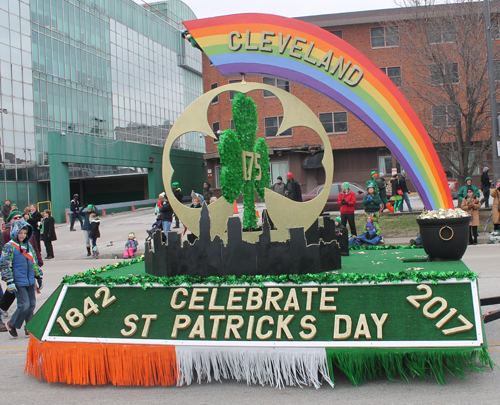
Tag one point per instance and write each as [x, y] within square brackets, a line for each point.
[445, 47]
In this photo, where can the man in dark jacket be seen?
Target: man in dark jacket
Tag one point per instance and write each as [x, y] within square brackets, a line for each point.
[34, 220]
[86, 212]
[485, 187]
[279, 186]
[166, 215]
[404, 189]
[292, 188]
[75, 207]
[6, 209]
[178, 194]
[382, 189]
[49, 233]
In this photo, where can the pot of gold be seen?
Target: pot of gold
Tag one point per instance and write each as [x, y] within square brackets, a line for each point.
[444, 233]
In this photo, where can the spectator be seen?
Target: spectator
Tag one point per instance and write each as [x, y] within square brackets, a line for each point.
[347, 202]
[196, 203]
[372, 202]
[6, 209]
[20, 270]
[178, 194]
[130, 246]
[471, 205]
[372, 234]
[404, 189]
[94, 233]
[495, 217]
[397, 193]
[34, 220]
[208, 193]
[292, 188]
[3, 328]
[198, 196]
[161, 197]
[86, 212]
[48, 233]
[373, 181]
[382, 189]
[339, 228]
[462, 193]
[166, 215]
[279, 186]
[9, 296]
[75, 208]
[485, 187]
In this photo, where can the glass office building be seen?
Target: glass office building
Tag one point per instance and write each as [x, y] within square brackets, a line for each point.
[95, 68]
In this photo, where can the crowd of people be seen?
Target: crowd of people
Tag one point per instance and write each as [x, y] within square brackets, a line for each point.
[376, 201]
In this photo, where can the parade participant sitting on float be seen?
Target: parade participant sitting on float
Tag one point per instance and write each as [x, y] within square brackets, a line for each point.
[462, 193]
[372, 202]
[471, 205]
[372, 234]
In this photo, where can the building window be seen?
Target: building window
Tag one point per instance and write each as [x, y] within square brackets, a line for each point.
[216, 128]
[385, 36]
[338, 33]
[217, 176]
[280, 83]
[233, 93]
[444, 115]
[334, 122]
[272, 124]
[446, 74]
[231, 125]
[394, 73]
[215, 100]
[385, 166]
[444, 31]
[495, 32]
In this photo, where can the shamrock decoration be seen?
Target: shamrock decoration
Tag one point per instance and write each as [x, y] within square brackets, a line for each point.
[245, 162]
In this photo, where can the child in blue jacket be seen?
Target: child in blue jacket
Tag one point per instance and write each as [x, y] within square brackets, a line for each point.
[20, 271]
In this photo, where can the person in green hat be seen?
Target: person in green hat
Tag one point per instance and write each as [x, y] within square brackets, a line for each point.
[372, 201]
[462, 193]
[347, 203]
[86, 212]
[178, 194]
[373, 180]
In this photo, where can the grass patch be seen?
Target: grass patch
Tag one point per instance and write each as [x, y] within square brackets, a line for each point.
[405, 225]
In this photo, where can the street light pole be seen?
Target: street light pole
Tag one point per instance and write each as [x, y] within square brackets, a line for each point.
[495, 149]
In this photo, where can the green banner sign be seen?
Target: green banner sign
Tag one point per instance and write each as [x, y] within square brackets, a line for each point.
[345, 315]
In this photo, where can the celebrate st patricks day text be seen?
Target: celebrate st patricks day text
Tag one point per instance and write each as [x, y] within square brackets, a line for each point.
[272, 313]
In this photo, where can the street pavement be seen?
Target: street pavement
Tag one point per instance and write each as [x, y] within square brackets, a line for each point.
[70, 257]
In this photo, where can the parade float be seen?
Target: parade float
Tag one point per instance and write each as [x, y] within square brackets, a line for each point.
[277, 305]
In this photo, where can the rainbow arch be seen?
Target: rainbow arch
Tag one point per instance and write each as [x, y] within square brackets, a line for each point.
[374, 99]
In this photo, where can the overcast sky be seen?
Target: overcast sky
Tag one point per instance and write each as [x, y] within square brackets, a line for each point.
[286, 8]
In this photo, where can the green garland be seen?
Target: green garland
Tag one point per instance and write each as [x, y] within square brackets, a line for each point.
[96, 277]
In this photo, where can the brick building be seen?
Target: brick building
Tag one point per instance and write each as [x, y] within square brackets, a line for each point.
[357, 150]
